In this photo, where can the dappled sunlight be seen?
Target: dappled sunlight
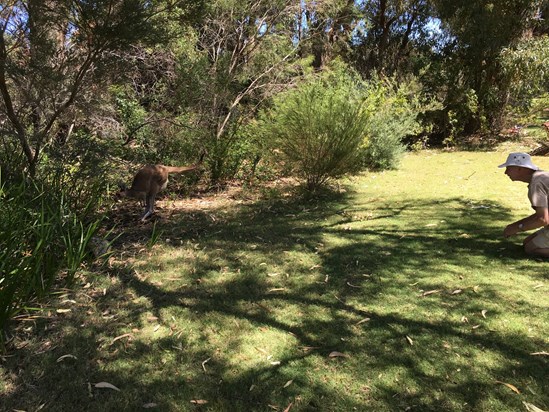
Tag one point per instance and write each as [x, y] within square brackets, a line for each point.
[329, 276]
[408, 302]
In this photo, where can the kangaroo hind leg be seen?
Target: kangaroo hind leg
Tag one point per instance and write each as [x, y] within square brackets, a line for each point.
[149, 207]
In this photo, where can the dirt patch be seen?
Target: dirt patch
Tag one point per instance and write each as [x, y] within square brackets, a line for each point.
[129, 234]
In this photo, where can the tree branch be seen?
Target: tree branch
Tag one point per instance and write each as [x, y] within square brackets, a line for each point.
[10, 111]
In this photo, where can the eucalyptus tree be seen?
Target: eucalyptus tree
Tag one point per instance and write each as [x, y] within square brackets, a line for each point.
[53, 55]
[324, 29]
[526, 70]
[394, 36]
[240, 55]
[479, 31]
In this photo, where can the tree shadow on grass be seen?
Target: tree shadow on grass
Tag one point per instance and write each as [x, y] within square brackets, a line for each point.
[205, 324]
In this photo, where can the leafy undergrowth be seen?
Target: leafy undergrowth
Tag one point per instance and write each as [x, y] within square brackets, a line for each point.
[399, 294]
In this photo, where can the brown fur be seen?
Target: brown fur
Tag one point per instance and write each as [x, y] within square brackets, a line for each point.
[150, 180]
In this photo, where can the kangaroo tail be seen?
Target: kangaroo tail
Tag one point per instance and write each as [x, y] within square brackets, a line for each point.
[175, 169]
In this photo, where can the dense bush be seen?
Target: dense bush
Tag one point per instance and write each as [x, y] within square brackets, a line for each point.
[41, 238]
[320, 126]
[150, 136]
[393, 116]
[337, 123]
[526, 70]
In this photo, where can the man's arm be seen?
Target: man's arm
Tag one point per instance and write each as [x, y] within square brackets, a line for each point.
[538, 219]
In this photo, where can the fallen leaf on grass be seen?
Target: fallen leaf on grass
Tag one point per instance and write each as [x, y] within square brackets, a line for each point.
[538, 286]
[150, 405]
[276, 290]
[204, 364]
[339, 299]
[409, 339]
[263, 307]
[430, 292]
[65, 357]
[263, 351]
[175, 279]
[106, 385]
[125, 335]
[289, 407]
[531, 390]
[540, 353]
[455, 292]
[512, 387]
[353, 286]
[309, 348]
[288, 383]
[336, 354]
[63, 310]
[199, 401]
[362, 321]
[483, 313]
[531, 408]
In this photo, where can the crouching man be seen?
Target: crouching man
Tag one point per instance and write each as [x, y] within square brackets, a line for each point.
[519, 167]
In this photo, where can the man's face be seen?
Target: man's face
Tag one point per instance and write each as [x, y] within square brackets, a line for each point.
[514, 172]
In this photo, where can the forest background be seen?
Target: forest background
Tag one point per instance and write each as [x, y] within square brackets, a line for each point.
[90, 90]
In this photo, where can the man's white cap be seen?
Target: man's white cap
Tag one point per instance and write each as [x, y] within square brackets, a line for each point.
[521, 160]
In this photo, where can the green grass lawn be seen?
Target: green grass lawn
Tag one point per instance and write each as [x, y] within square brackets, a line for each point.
[399, 294]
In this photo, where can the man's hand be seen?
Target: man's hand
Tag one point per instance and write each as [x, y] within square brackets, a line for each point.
[538, 219]
[510, 230]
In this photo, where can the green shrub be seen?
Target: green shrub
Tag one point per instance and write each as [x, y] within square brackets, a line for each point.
[337, 123]
[80, 170]
[227, 155]
[149, 135]
[393, 112]
[319, 127]
[40, 238]
[526, 70]
[248, 156]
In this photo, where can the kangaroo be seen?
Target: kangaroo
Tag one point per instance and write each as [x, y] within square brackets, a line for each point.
[150, 180]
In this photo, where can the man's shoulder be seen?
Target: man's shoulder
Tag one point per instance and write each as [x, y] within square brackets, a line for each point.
[541, 176]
